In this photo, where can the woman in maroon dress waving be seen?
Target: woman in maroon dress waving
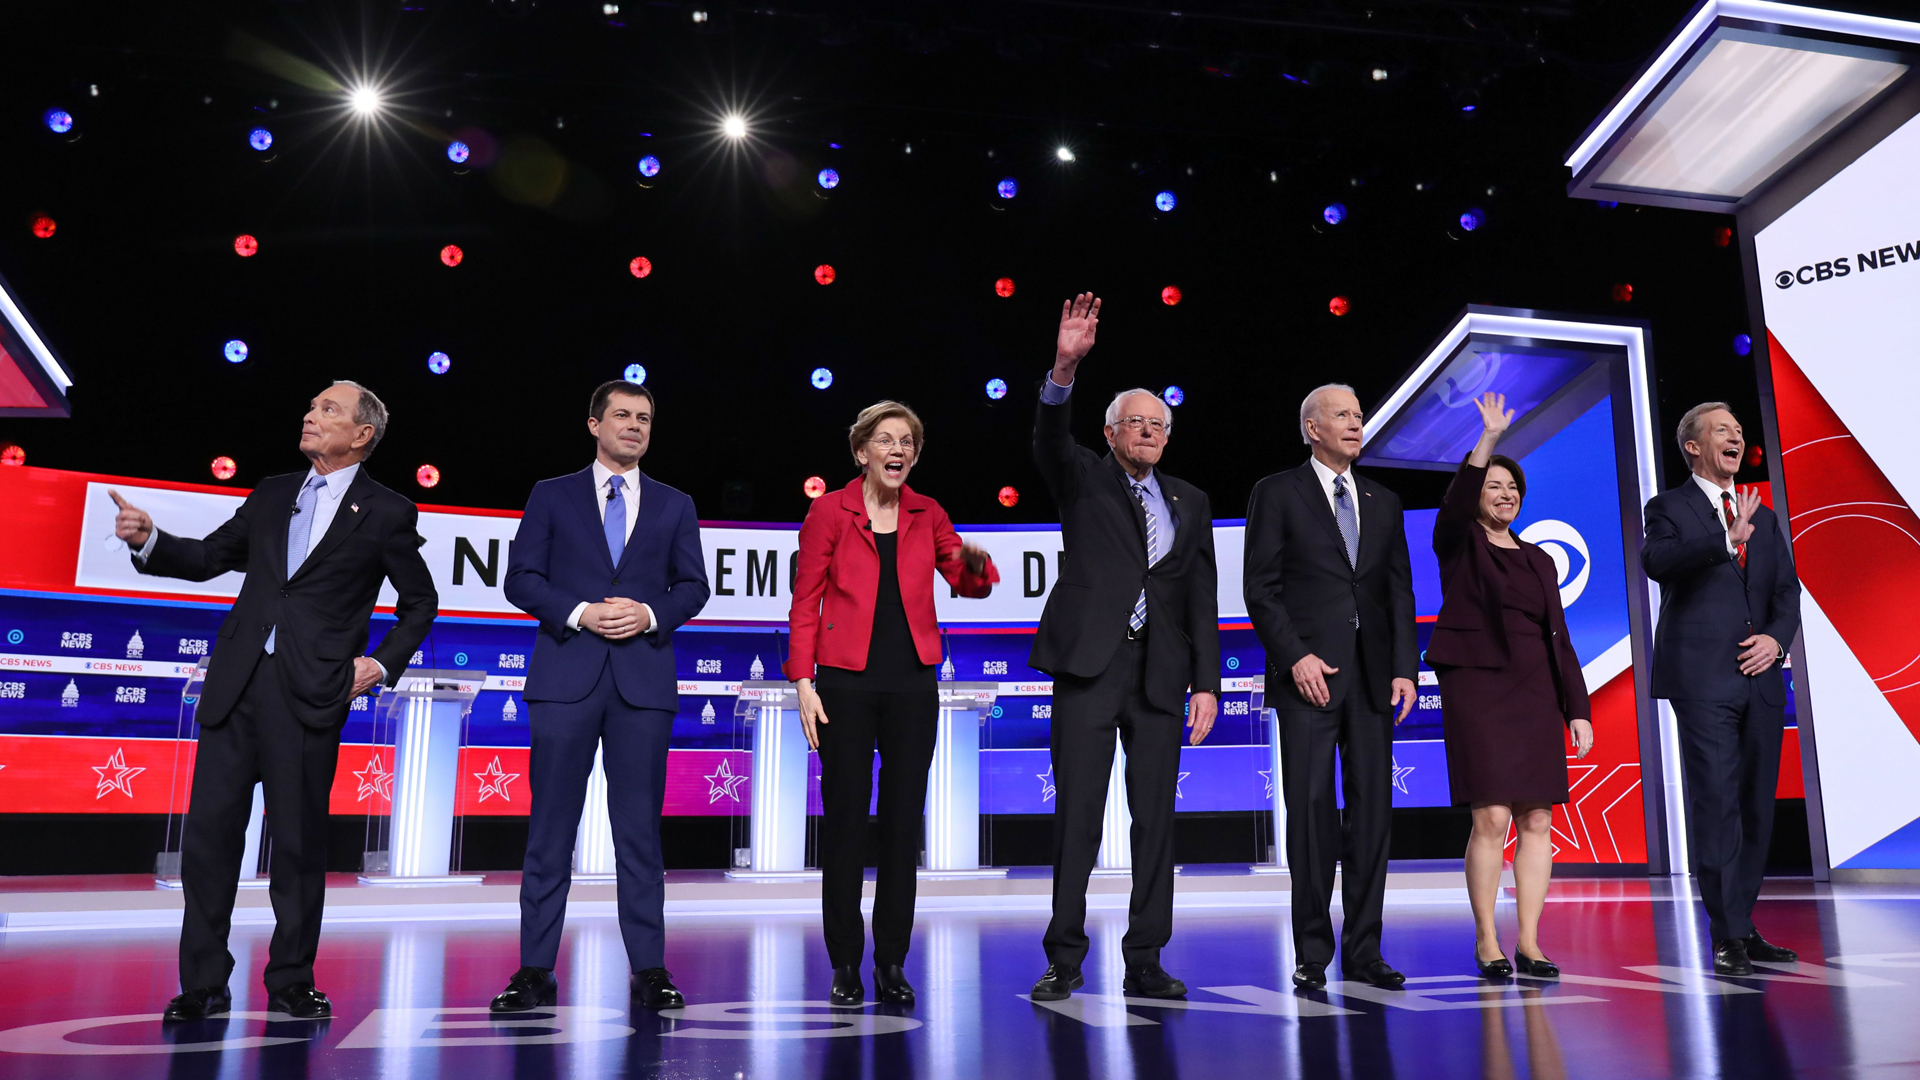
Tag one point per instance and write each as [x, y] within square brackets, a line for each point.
[1510, 685]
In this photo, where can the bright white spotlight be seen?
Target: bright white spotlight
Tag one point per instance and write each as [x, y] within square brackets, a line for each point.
[1064, 154]
[734, 127]
[364, 100]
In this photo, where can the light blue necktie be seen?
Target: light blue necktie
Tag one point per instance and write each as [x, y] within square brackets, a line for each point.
[1139, 617]
[1344, 515]
[299, 533]
[616, 519]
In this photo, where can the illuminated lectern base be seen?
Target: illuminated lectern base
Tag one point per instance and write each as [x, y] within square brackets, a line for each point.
[423, 722]
[1257, 701]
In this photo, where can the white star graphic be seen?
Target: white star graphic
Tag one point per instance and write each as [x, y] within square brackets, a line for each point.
[724, 782]
[1267, 776]
[374, 780]
[1177, 781]
[1046, 783]
[1400, 776]
[494, 782]
[122, 778]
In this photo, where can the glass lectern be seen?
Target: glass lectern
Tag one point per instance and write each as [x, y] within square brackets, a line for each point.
[419, 728]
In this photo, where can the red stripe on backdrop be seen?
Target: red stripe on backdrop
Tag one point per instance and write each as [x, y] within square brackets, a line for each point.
[47, 774]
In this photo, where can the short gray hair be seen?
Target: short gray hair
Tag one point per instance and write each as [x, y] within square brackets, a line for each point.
[1689, 428]
[1311, 404]
[1113, 407]
[371, 410]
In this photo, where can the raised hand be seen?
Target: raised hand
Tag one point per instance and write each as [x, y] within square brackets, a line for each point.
[1740, 529]
[132, 523]
[1495, 417]
[1079, 322]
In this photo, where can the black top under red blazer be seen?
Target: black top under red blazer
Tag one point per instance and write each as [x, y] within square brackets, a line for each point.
[1472, 628]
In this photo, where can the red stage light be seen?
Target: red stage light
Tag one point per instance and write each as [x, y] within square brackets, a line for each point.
[823, 274]
[43, 226]
[1622, 293]
[1170, 295]
[1009, 495]
[427, 476]
[814, 487]
[1339, 305]
[1003, 287]
[641, 266]
[12, 455]
[223, 468]
[1755, 455]
[1722, 236]
[451, 255]
[245, 245]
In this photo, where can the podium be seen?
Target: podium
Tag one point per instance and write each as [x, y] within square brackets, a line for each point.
[420, 727]
[1257, 701]
[254, 856]
[953, 783]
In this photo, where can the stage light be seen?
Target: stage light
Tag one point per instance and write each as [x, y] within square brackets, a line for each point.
[260, 138]
[1468, 108]
[426, 476]
[1165, 201]
[13, 454]
[1174, 395]
[1755, 455]
[641, 266]
[814, 487]
[996, 388]
[458, 151]
[1742, 344]
[734, 127]
[828, 179]
[1009, 496]
[1063, 153]
[223, 468]
[235, 351]
[649, 166]
[1379, 74]
[635, 373]
[59, 121]
[821, 378]
[1339, 305]
[823, 274]
[439, 362]
[451, 255]
[1609, 204]
[1170, 295]
[699, 16]
[1471, 220]
[364, 100]
[1004, 286]
[1722, 236]
[245, 245]
[1007, 188]
[1335, 213]
[43, 226]
[1622, 293]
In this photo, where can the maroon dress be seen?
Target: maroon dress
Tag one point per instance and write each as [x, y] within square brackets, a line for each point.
[1504, 725]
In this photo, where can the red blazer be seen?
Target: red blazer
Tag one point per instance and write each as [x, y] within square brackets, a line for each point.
[837, 582]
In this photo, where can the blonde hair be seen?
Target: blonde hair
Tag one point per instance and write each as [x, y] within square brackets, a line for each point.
[870, 418]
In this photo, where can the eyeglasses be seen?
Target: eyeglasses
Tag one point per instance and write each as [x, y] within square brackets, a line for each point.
[1135, 423]
[885, 444]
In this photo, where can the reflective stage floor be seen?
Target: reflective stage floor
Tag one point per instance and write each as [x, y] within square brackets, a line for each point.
[410, 981]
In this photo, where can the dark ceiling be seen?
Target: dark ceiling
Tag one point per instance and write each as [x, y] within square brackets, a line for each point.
[1256, 115]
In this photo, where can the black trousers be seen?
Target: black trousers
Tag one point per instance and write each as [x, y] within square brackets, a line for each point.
[903, 726]
[259, 742]
[1318, 835]
[1730, 761]
[1086, 713]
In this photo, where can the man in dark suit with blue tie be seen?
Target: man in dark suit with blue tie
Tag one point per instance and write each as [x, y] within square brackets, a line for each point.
[1729, 607]
[608, 559]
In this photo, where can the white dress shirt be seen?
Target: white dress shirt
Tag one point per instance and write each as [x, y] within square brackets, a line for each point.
[1714, 492]
[1326, 476]
[630, 496]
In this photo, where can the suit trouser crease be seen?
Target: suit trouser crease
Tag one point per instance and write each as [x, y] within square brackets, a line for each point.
[1086, 714]
[903, 726]
[632, 742]
[1730, 760]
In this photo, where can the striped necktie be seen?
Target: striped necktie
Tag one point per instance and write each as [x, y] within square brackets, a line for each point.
[1139, 617]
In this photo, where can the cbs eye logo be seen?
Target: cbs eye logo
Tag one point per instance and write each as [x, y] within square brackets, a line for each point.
[1784, 279]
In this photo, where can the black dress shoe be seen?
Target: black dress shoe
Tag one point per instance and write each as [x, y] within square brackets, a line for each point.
[891, 986]
[1542, 968]
[1381, 974]
[300, 1001]
[1310, 976]
[1759, 948]
[847, 989]
[1730, 958]
[199, 1004]
[530, 988]
[1151, 980]
[1493, 969]
[1060, 981]
[654, 988]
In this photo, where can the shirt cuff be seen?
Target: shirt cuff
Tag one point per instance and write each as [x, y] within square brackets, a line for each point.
[383, 670]
[573, 620]
[146, 549]
[1052, 393]
[652, 623]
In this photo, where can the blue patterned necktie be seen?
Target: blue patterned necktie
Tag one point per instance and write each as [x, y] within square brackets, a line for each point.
[615, 523]
[1139, 617]
[1349, 522]
[299, 535]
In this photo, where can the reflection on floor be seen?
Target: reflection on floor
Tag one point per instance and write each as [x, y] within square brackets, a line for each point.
[410, 989]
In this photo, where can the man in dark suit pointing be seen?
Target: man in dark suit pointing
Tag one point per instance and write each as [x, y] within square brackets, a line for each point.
[315, 547]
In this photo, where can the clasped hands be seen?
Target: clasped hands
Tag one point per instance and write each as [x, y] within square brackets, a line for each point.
[1310, 678]
[616, 618]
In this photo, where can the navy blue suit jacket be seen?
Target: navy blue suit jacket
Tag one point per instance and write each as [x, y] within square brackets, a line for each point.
[559, 559]
[1708, 605]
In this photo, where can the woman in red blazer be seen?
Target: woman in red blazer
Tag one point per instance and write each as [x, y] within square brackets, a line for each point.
[1510, 685]
[866, 643]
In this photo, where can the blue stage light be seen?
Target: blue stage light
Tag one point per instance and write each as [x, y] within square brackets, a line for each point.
[1609, 204]
[235, 351]
[1335, 213]
[828, 179]
[259, 138]
[821, 378]
[1174, 395]
[457, 151]
[439, 362]
[1165, 201]
[1008, 188]
[1468, 108]
[1471, 220]
[1742, 344]
[996, 388]
[59, 121]
[635, 374]
[649, 166]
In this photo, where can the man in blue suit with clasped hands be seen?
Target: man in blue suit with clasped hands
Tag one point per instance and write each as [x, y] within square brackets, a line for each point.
[608, 559]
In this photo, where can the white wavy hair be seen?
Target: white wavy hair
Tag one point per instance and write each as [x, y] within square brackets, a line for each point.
[1113, 407]
[1311, 405]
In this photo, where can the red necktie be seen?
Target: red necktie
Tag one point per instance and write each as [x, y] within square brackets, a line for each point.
[1726, 502]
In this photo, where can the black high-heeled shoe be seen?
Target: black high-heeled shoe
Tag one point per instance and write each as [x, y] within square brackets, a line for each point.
[1542, 968]
[847, 988]
[1493, 969]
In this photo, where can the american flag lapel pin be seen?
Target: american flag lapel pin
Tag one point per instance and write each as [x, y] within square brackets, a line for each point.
[355, 507]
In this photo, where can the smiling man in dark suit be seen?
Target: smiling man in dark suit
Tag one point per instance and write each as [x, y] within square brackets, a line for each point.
[288, 663]
[1329, 588]
[1131, 625]
[608, 559]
